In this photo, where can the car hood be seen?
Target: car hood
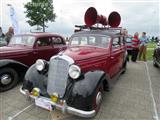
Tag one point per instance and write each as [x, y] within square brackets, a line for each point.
[78, 53]
[13, 49]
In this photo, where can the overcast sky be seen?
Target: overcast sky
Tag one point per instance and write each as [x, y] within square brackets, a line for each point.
[136, 15]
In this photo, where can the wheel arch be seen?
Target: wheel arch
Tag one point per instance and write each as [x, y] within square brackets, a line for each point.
[82, 92]
[20, 68]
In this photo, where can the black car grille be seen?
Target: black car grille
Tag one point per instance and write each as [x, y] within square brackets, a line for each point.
[57, 76]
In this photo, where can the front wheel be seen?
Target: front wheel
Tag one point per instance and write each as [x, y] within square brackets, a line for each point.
[8, 79]
[98, 96]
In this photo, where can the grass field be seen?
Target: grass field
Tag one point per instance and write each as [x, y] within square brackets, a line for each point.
[149, 54]
[150, 49]
[151, 45]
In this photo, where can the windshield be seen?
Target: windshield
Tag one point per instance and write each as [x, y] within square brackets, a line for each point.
[92, 40]
[22, 40]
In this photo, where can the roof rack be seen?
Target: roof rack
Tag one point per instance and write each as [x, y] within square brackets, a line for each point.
[84, 27]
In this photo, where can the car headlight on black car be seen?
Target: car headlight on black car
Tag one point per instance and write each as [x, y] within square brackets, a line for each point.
[40, 65]
[74, 71]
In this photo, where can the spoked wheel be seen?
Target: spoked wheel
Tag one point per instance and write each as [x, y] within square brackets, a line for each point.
[98, 96]
[8, 79]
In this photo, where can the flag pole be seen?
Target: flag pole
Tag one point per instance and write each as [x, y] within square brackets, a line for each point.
[14, 20]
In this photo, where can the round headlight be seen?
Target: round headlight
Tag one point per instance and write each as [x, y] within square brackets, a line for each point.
[74, 71]
[40, 65]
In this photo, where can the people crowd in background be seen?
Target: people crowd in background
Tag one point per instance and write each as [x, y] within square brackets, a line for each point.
[8, 35]
[136, 46]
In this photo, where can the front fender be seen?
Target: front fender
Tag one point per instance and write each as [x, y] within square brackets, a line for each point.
[82, 90]
[35, 79]
[20, 68]
[6, 62]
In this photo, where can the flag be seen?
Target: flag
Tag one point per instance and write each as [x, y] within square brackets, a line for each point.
[14, 20]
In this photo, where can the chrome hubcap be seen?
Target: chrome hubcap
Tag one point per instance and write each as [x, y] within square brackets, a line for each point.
[5, 79]
[98, 98]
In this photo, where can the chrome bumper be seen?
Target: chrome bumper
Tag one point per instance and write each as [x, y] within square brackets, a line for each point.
[65, 108]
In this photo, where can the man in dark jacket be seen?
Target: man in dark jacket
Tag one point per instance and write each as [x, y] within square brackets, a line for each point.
[1, 32]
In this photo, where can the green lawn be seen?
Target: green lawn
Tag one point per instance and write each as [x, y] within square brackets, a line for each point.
[149, 54]
[150, 46]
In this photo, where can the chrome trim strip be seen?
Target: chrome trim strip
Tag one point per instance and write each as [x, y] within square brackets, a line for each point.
[65, 108]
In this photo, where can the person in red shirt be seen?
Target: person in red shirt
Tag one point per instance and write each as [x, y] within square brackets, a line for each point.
[135, 47]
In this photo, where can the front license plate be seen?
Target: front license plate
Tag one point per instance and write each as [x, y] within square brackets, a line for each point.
[43, 103]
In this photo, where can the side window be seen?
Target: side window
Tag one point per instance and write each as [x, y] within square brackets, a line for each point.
[57, 40]
[44, 42]
[84, 41]
[116, 43]
[92, 41]
[75, 41]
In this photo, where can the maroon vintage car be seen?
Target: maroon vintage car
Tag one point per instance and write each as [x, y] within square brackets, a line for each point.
[74, 80]
[22, 52]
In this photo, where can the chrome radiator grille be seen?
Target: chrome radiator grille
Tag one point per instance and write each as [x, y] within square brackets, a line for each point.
[57, 76]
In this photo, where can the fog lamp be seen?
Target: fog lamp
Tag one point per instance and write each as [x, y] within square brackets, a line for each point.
[54, 97]
[35, 92]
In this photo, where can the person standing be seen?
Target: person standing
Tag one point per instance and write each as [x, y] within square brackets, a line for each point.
[9, 34]
[129, 47]
[135, 47]
[1, 32]
[128, 42]
[143, 46]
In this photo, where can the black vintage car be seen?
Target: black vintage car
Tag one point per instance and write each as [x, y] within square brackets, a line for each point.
[156, 55]
[74, 80]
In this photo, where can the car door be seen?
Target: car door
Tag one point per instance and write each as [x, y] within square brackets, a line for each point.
[115, 57]
[43, 48]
